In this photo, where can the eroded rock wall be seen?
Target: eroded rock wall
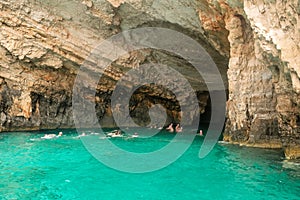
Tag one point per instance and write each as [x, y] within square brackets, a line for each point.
[263, 106]
[44, 42]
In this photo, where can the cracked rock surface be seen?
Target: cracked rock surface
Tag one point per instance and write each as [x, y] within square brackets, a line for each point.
[255, 45]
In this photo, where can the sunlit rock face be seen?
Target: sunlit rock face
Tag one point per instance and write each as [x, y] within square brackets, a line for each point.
[255, 45]
[263, 105]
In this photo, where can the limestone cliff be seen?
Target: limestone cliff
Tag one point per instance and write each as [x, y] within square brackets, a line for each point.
[255, 44]
[263, 105]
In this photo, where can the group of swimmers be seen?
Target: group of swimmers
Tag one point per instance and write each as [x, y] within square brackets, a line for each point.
[115, 133]
[178, 129]
[118, 133]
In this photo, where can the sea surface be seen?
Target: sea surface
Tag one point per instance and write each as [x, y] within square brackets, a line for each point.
[62, 168]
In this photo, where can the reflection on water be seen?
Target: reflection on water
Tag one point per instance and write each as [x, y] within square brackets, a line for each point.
[293, 167]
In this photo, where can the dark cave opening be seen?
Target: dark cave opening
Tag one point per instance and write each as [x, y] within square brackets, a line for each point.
[147, 96]
[205, 117]
[298, 121]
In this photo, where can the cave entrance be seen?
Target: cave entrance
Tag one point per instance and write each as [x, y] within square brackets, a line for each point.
[147, 96]
[205, 115]
[298, 121]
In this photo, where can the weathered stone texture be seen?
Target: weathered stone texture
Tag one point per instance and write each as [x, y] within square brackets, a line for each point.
[263, 106]
[255, 44]
[43, 43]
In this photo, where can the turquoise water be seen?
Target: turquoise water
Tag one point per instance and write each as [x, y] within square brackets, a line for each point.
[62, 168]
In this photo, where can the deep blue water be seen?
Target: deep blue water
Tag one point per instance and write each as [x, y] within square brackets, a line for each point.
[62, 168]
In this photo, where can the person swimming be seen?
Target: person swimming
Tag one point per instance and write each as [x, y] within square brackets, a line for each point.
[135, 135]
[178, 128]
[51, 136]
[115, 133]
[200, 133]
[170, 128]
[112, 133]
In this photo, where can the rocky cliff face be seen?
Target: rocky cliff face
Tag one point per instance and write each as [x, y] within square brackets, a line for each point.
[43, 43]
[255, 45]
[263, 105]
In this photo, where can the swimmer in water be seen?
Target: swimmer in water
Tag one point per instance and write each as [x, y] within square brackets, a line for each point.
[48, 136]
[135, 135]
[200, 133]
[170, 128]
[178, 128]
[115, 133]
[51, 136]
